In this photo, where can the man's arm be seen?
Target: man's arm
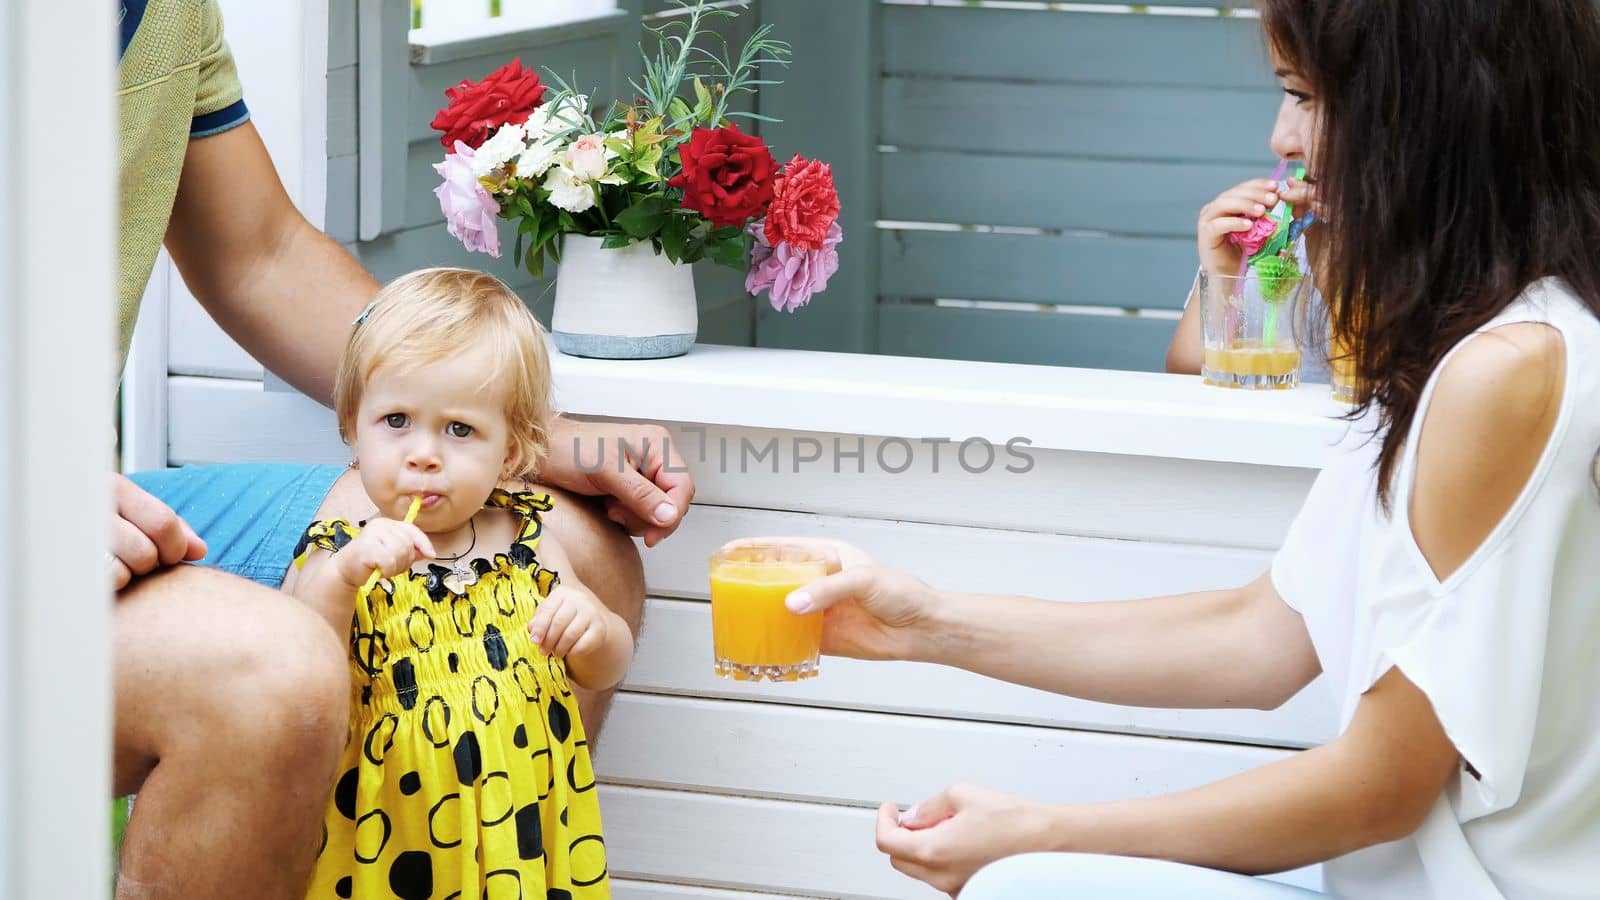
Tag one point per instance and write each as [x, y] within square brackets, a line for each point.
[277, 285]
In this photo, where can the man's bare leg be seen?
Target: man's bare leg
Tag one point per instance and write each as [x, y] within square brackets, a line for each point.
[604, 557]
[232, 705]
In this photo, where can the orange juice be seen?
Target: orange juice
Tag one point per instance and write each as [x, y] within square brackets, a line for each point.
[1247, 364]
[1342, 369]
[754, 635]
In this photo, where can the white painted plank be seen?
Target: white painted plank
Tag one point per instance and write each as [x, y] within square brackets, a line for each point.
[956, 558]
[735, 842]
[1094, 410]
[58, 275]
[215, 420]
[1090, 494]
[197, 345]
[143, 415]
[674, 657]
[772, 845]
[628, 889]
[862, 759]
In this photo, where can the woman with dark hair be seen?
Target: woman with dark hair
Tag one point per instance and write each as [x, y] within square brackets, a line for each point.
[1443, 576]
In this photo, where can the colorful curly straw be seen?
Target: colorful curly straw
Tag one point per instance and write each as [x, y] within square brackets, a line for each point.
[411, 516]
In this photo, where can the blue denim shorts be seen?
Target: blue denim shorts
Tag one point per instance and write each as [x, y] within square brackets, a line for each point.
[249, 514]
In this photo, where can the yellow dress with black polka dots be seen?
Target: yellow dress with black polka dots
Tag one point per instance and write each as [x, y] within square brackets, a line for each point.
[466, 774]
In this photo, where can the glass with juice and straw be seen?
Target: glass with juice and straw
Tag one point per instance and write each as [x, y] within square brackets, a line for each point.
[1250, 318]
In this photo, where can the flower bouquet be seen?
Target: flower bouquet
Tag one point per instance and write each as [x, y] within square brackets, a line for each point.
[664, 173]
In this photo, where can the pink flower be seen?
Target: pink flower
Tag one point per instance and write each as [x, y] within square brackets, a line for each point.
[1261, 231]
[791, 273]
[587, 157]
[468, 209]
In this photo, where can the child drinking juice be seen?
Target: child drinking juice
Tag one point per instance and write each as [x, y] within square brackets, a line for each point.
[466, 773]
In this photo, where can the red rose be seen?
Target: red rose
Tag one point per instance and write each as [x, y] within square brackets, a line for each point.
[509, 95]
[727, 175]
[805, 204]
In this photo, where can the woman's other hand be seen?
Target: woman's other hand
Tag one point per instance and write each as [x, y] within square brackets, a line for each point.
[946, 839]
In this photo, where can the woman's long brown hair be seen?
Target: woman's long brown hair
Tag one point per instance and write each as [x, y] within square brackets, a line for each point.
[1459, 161]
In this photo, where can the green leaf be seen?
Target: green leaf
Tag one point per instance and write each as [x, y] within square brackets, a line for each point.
[524, 207]
[648, 161]
[516, 253]
[678, 109]
[615, 241]
[675, 237]
[728, 253]
[535, 262]
[548, 229]
[568, 226]
[643, 218]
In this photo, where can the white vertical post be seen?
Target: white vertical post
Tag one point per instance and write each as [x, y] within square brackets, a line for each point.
[144, 378]
[57, 293]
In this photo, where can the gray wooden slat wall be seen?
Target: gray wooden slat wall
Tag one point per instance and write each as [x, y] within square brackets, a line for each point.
[1039, 157]
[1049, 160]
[603, 58]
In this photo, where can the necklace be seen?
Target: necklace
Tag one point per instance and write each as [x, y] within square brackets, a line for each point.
[462, 575]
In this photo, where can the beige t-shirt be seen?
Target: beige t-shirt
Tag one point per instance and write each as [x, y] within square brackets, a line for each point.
[176, 82]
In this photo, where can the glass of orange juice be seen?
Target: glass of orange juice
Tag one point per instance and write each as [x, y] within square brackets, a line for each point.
[1342, 370]
[754, 636]
[1252, 330]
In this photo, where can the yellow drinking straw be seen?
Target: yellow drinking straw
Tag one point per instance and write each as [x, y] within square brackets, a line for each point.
[411, 516]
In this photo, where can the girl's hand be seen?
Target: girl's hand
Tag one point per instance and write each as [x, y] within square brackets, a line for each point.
[871, 612]
[387, 545]
[1232, 212]
[945, 840]
[1303, 196]
[571, 621]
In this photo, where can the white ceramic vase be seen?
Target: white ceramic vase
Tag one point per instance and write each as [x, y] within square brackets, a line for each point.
[622, 303]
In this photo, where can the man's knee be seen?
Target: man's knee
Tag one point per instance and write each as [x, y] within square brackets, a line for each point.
[207, 662]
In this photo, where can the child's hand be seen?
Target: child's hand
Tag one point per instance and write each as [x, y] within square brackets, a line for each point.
[383, 544]
[571, 620]
[1303, 196]
[1232, 212]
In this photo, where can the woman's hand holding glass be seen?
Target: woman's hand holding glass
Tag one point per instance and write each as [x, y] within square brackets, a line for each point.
[870, 612]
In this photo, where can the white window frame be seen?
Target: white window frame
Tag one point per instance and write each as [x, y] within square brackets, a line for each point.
[57, 290]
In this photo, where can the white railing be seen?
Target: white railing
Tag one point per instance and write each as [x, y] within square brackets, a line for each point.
[515, 13]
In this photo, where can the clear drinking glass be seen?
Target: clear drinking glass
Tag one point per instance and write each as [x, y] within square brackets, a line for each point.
[1253, 329]
[754, 636]
[1341, 371]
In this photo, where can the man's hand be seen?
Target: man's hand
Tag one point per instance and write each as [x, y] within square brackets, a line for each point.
[146, 534]
[635, 467]
[944, 841]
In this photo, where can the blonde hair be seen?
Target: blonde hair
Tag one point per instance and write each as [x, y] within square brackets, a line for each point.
[432, 314]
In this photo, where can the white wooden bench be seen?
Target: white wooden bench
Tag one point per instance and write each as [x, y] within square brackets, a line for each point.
[1139, 485]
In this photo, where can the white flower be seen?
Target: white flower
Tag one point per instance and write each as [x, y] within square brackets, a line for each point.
[587, 157]
[552, 119]
[506, 144]
[537, 159]
[567, 191]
